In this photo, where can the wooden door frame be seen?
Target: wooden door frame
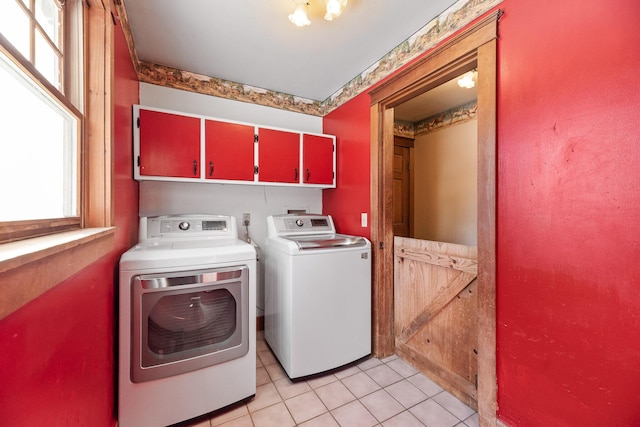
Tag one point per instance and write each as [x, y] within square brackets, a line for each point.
[474, 47]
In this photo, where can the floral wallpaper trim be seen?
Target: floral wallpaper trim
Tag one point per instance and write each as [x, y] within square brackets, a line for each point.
[185, 80]
[457, 115]
[405, 129]
[450, 21]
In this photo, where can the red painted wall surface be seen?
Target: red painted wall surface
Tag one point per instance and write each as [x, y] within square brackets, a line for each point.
[57, 361]
[350, 124]
[568, 298]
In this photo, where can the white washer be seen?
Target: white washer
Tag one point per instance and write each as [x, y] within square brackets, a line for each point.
[187, 343]
[317, 294]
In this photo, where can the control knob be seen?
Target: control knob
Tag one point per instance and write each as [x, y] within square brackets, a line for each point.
[184, 226]
[299, 223]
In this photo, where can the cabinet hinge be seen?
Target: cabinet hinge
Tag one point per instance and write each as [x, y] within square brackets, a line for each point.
[138, 122]
[138, 161]
[476, 381]
[408, 166]
[381, 245]
[255, 138]
[255, 170]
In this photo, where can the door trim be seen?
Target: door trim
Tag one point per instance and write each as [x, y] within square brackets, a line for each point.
[474, 47]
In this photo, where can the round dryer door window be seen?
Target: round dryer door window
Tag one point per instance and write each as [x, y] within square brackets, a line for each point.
[188, 321]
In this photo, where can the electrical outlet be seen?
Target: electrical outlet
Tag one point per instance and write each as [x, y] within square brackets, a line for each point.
[246, 219]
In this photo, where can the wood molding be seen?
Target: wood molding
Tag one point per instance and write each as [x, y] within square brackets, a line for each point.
[473, 47]
[41, 263]
[487, 173]
[98, 133]
[128, 35]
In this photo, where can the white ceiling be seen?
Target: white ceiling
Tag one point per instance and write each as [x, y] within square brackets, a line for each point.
[437, 100]
[252, 41]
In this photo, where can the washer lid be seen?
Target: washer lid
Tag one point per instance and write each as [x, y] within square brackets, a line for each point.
[326, 241]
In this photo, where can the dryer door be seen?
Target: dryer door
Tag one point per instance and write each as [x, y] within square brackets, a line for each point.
[188, 320]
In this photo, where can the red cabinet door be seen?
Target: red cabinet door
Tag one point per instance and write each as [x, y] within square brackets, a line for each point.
[317, 159]
[228, 151]
[169, 145]
[279, 156]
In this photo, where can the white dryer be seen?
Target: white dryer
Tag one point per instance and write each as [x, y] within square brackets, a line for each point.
[187, 343]
[317, 294]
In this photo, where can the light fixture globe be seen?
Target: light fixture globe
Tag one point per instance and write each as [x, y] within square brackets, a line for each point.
[468, 79]
[334, 8]
[299, 16]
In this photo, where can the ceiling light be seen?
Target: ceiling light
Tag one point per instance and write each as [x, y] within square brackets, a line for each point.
[334, 9]
[467, 80]
[299, 16]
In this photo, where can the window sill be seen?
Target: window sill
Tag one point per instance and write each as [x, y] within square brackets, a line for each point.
[30, 267]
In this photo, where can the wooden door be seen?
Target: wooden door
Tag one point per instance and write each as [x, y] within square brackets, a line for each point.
[169, 145]
[401, 186]
[229, 149]
[435, 312]
[278, 156]
[317, 159]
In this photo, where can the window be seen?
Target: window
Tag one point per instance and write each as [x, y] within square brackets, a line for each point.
[34, 28]
[49, 91]
[40, 129]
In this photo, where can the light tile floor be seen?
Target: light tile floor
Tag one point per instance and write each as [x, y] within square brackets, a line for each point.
[387, 392]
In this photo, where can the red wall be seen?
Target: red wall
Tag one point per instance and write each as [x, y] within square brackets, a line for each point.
[350, 124]
[569, 213]
[568, 303]
[57, 361]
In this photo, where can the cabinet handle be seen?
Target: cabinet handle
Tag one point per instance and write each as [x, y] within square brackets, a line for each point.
[210, 168]
[195, 168]
[295, 174]
[308, 174]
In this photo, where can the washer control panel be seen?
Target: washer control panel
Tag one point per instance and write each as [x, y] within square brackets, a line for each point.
[302, 224]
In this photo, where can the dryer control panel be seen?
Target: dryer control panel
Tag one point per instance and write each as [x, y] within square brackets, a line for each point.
[187, 226]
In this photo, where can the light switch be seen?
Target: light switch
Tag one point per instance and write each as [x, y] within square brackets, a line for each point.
[363, 219]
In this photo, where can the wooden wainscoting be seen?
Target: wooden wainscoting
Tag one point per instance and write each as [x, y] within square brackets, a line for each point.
[436, 315]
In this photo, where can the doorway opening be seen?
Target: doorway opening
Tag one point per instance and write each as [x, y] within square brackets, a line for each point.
[473, 48]
[435, 164]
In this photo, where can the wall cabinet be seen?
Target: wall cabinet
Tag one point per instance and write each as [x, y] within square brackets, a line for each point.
[318, 159]
[172, 146]
[279, 158]
[229, 151]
